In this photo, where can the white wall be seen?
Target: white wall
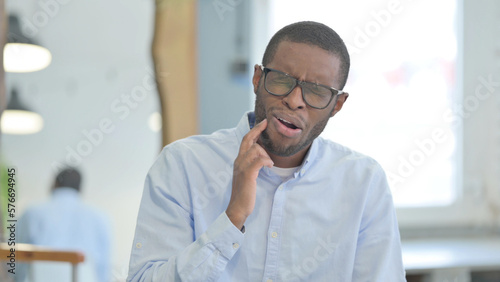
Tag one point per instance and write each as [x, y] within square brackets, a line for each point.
[482, 103]
[100, 52]
[223, 41]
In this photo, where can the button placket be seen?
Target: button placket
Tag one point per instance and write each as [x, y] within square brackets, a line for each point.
[274, 242]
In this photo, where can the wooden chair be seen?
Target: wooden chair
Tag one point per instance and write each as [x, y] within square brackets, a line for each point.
[29, 253]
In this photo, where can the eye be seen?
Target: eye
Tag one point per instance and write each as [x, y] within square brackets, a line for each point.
[318, 90]
[280, 79]
[284, 81]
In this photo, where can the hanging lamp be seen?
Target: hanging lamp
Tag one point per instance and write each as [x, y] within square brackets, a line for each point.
[18, 119]
[22, 54]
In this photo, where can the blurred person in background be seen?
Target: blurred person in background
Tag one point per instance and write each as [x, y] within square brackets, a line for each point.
[64, 222]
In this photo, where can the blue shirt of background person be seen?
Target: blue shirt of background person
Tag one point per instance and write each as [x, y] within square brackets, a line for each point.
[64, 222]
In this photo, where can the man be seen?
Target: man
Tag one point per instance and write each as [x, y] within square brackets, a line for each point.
[272, 202]
[65, 222]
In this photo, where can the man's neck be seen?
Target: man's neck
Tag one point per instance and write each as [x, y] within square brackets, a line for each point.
[291, 161]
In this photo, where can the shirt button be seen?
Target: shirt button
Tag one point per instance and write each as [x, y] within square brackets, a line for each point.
[269, 280]
[138, 245]
[274, 234]
[280, 187]
[236, 245]
[303, 171]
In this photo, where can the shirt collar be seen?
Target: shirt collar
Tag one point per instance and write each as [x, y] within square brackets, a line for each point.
[65, 192]
[309, 158]
[247, 122]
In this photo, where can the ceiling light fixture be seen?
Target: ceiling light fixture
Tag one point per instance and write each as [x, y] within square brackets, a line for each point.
[17, 119]
[21, 54]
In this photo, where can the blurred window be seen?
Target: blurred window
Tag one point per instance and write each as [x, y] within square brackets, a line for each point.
[402, 90]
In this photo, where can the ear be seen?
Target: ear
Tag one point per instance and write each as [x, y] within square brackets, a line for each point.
[339, 103]
[257, 74]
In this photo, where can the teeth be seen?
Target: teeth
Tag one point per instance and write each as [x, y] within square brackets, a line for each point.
[291, 124]
[285, 121]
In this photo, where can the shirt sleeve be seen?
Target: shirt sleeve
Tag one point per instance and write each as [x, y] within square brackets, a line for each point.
[378, 253]
[164, 247]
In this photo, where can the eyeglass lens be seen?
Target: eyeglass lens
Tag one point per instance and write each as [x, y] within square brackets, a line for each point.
[278, 83]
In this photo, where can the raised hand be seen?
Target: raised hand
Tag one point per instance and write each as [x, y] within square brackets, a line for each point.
[251, 158]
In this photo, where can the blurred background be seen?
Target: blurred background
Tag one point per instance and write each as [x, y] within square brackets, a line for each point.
[424, 102]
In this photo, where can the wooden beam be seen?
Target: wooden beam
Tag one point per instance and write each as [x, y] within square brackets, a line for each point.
[3, 40]
[175, 58]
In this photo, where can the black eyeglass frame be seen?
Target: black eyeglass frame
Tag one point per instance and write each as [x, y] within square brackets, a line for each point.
[300, 82]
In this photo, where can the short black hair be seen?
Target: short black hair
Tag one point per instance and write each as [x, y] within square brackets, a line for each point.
[312, 33]
[69, 177]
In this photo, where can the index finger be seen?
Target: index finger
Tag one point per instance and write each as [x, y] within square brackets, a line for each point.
[253, 135]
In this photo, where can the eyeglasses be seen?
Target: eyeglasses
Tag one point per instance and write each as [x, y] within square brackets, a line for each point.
[315, 95]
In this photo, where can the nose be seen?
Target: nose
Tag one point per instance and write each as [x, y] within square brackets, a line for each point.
[294, 99]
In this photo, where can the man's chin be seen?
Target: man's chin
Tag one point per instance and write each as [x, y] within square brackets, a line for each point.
[277, 148]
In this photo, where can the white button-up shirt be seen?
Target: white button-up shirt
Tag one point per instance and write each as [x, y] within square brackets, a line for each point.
[333, 220]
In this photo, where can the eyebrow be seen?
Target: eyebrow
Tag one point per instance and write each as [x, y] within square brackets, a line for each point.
[316, 83]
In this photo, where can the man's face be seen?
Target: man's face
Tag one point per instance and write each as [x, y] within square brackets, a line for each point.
[306, 63]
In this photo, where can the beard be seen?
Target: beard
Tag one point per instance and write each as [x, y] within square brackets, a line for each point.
[277, 148]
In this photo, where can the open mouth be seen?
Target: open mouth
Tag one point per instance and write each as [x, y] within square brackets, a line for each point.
[287, 123]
